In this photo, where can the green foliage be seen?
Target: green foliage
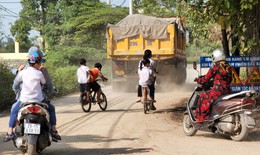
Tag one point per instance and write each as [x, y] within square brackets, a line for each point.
[201, 47]
[240, 14]
[155, 7]
[65, 79]
[7, 94]
[20, 30]
[60, 56]
[6, 46]
[85, 23]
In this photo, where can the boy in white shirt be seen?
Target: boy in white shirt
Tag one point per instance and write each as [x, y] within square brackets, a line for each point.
[32, 79]
[83, 77]
[146, 78]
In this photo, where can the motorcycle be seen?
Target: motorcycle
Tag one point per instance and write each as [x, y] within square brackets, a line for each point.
[33, 128]
[230, 114]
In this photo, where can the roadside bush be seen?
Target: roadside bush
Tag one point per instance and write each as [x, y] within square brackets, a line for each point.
[65, 79]
[7, 96]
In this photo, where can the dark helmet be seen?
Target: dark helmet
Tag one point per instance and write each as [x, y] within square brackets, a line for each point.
[98, 65]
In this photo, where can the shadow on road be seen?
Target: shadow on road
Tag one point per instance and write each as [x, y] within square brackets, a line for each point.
[252, 137]
[97, 151]
[65, 148]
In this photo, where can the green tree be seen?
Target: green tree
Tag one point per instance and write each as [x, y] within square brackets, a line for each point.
[84, 22]
[20, 30]
[32, 16]
[238, 17]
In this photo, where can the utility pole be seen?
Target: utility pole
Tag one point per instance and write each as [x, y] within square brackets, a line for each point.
[130, 7]
[109, 2]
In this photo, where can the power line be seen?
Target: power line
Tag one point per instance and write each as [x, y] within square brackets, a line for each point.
[7, 10]
[8, 15]
[9, 2]
[123, 3]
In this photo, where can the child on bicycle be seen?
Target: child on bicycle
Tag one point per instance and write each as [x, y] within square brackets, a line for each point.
[92, 84]
[146, 80]
[83, 77]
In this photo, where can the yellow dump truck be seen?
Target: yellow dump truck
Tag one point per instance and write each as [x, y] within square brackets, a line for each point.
[128, 39]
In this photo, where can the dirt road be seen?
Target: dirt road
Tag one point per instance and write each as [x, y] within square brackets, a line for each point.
[124, 129]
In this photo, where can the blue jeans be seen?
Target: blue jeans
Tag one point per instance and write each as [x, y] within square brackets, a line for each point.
[16, 107]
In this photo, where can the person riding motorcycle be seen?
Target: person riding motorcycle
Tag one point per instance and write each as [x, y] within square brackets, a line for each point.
[33, 53]
[221, 72]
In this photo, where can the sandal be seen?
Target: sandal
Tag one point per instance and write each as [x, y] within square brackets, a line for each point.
[55, 135]
[8, 137]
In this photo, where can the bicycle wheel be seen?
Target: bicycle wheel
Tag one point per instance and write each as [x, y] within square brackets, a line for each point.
[144, 100]
[148, 104]
[86, 106]
[103, 104]
[145, 108]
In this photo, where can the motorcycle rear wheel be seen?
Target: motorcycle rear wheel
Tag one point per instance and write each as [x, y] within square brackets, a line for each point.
[188, 129]
[31, 149]
[243, 132]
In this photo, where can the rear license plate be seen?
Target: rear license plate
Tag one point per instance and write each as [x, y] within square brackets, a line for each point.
[32, 128]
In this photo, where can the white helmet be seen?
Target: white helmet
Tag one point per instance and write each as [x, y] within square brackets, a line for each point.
[218, 55]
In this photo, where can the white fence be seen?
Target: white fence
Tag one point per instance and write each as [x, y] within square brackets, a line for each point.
[13, 56]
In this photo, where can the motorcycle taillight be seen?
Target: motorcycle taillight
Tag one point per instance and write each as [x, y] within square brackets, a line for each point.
[33, 109]
[248, 101]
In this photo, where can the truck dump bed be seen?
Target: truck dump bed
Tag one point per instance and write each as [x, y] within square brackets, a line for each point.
[128, 39]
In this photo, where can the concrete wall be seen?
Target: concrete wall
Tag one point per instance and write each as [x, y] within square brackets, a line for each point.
[10, 56]
[13, 63]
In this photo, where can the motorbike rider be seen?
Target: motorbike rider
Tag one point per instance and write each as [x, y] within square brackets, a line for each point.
[92, 83]
[221, 72]
[25, 95]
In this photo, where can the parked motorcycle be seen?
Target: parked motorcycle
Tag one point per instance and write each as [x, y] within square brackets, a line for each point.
[230, 114]
[32, 128]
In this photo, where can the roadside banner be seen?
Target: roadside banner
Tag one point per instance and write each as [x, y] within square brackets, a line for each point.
[235, 61]
[237, 85]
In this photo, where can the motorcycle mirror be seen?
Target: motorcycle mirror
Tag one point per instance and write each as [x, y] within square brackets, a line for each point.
[194, 65]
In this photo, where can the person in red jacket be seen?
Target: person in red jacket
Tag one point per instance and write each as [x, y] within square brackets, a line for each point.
[92, 83]
[221, 72]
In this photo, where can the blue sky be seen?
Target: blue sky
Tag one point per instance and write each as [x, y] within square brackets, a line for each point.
[15, 7]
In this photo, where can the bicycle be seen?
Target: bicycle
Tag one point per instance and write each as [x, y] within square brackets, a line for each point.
[147, 103]
[86, 106]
